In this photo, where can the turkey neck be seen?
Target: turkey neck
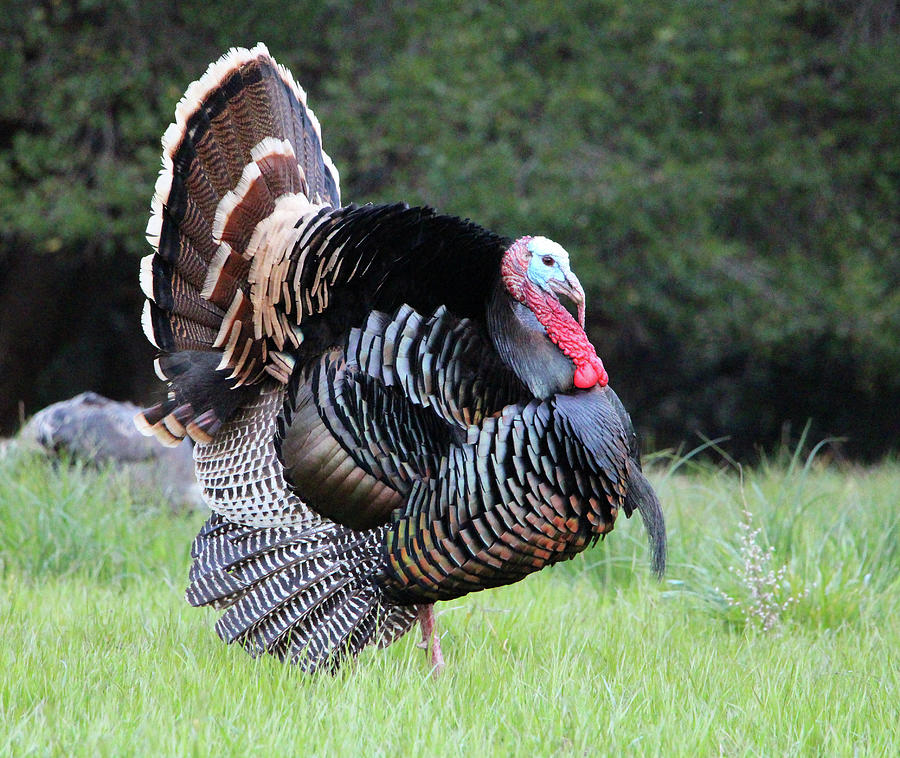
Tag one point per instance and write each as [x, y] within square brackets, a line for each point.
[523, 345]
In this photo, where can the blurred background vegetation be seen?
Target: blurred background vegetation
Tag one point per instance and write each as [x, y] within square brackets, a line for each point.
[725, 174]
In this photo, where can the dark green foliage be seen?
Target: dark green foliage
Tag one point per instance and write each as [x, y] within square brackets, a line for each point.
[726, 175]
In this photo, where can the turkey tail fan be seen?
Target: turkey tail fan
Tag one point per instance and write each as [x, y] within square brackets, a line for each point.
[293, 584]
[244, 147]
[642, 498]
[289, 591]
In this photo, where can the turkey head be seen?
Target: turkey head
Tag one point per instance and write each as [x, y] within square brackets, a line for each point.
[531, 330]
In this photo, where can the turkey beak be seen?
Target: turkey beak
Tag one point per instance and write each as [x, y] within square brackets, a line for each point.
[573, 290]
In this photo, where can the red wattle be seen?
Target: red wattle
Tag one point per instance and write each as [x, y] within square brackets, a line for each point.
[585, 376]
[589, 374]
[567, 334]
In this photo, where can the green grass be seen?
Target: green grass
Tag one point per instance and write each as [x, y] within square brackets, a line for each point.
[99, 654]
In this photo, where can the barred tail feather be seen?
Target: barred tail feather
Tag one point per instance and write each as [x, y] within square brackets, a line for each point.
[299, 593]
[201, 400]
[242, 162]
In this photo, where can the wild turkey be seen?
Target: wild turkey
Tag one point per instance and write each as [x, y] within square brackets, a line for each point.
[390, 406]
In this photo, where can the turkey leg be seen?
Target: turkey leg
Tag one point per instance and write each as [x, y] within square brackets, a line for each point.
[430, 638]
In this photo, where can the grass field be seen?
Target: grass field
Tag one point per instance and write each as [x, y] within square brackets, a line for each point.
[100, 655]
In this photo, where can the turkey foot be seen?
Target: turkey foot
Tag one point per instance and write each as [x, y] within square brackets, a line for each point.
[430, 638]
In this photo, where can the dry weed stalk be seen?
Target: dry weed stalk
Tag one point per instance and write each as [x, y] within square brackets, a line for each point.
[765, 587]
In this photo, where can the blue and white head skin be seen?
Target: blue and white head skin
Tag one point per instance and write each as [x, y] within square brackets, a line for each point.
[548, 268]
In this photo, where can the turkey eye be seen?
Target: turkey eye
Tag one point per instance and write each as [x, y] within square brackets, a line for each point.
[547, 260]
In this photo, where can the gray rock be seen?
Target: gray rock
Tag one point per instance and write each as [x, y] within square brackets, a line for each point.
[93, 428]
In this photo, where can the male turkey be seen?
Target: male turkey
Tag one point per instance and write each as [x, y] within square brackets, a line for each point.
[390, 406]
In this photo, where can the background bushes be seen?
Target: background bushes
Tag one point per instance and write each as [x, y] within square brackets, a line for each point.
[725, 174]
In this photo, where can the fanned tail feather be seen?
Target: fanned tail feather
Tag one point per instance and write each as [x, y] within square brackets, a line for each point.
[242, 162]
[195, 380]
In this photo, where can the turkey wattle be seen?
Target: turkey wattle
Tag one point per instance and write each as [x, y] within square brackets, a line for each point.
[390, 406]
